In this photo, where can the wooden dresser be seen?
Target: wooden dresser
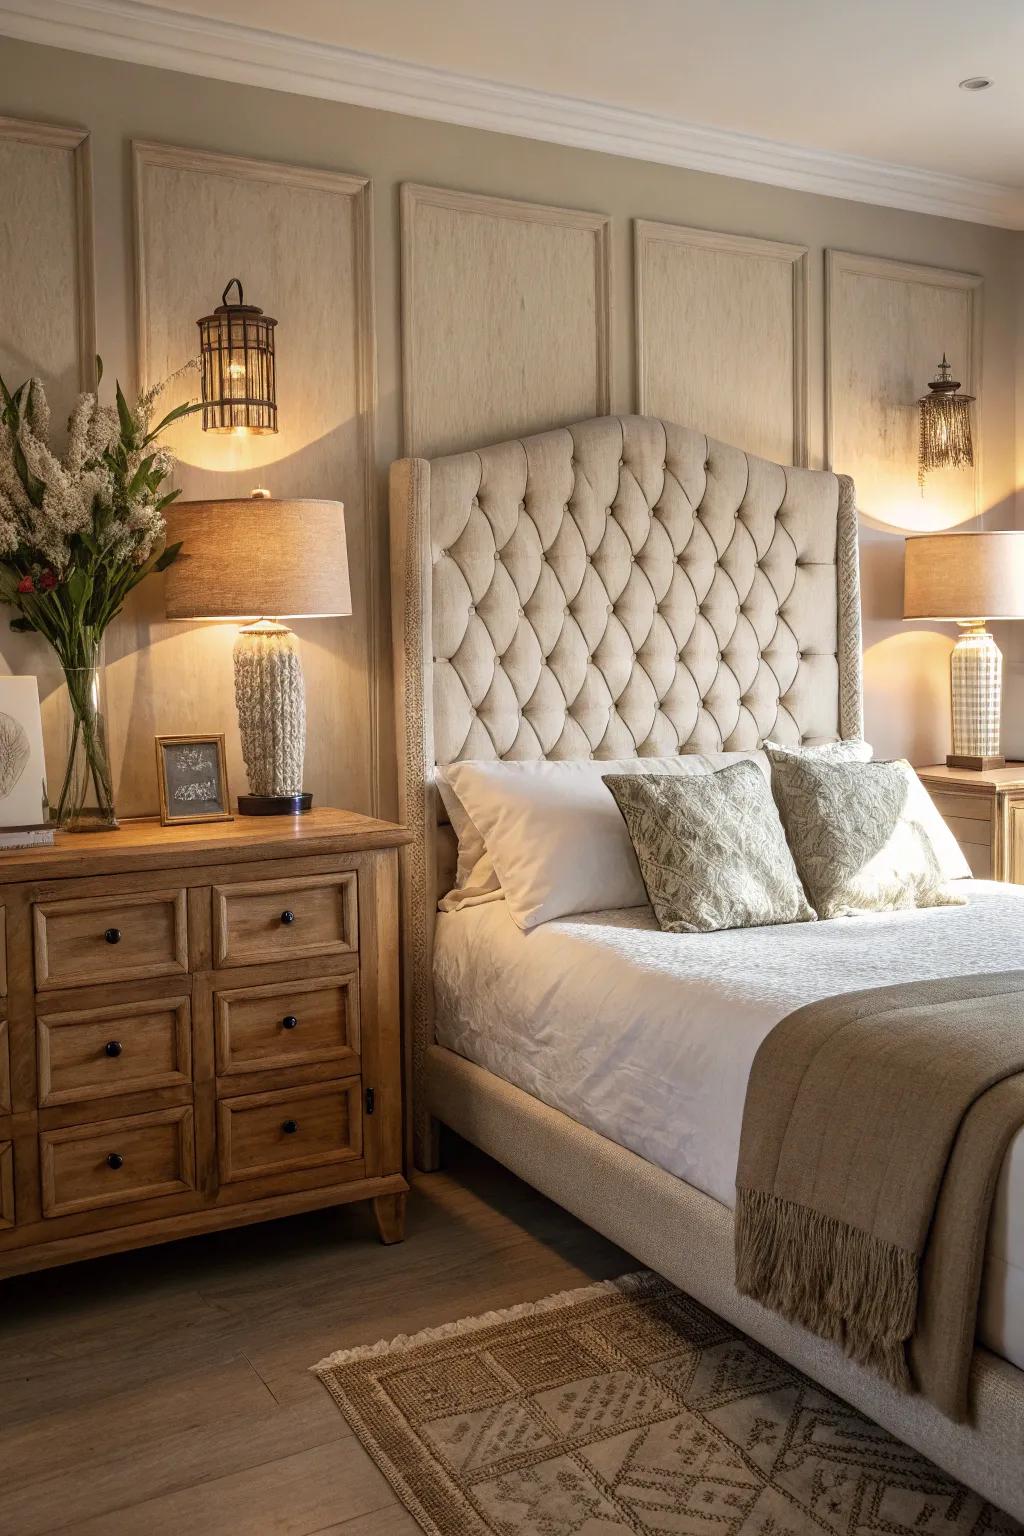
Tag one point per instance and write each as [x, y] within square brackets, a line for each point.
[985, 812]
[199, 1027]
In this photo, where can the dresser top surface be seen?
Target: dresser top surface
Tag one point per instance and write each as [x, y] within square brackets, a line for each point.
[941, 776]
[143, 843]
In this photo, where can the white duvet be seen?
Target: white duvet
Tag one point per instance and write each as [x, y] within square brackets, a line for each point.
[649, 1037]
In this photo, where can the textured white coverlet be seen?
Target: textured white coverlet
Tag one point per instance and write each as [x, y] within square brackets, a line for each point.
[649, 1037]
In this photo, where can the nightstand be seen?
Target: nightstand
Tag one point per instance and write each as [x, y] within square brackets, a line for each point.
[985, 813]
[199, 1028]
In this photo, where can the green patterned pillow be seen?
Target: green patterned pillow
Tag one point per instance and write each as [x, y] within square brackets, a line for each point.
[711, 849]
[857, 841]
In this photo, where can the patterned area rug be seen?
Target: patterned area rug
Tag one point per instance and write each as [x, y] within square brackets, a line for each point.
[626, 1407]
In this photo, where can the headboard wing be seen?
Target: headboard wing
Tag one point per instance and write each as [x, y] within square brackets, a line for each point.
[622, 587]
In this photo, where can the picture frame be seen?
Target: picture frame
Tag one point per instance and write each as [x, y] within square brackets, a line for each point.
[192, 775]
[23, 801]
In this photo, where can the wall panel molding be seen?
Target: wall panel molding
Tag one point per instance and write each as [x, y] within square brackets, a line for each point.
[76, 143]
[887, 325]
[721, 336]
[506, 317]
[301, 241]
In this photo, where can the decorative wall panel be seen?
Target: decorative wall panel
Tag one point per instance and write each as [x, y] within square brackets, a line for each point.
[721, 336]
[888, 324]
[47, 298]
[506, 318]
[300, 241]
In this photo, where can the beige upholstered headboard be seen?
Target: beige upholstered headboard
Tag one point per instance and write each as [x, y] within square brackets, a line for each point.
[622, 587]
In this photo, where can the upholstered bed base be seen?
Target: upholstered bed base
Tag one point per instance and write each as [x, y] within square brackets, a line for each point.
[688, 1237]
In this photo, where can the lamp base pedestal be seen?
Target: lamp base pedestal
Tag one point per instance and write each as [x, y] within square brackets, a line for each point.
[978, 764]
[275, 805]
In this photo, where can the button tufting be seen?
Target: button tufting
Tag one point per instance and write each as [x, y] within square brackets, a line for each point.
[566, 507]
[472, 608]
[520, 612]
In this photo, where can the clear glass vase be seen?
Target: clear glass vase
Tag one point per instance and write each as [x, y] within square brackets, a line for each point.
[86, 799]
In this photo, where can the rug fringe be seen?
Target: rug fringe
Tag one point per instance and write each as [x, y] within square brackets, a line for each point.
[641, 1282]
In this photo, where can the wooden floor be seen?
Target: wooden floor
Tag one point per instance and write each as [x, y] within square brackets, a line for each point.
[168, 1391]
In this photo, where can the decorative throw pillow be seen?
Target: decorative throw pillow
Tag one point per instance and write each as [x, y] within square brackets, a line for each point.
[852, 751]
[857, 841]
[711, 849]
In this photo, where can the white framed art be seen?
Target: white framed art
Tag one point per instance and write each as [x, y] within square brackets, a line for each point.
[23, 803]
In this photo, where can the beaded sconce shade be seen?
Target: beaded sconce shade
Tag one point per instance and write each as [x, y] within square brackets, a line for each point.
[945, 439]
[263, 560]
[969, 578]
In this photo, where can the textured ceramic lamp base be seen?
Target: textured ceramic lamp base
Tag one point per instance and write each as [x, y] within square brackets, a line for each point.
[271, 699]
[976, 680]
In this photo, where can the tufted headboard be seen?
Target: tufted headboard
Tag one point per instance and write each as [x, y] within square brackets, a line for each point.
[623, 587]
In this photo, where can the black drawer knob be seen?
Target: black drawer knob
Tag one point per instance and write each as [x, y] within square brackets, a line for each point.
[289, 1021]
[113, 935]
[287, 917]
[290, 1127]
[115, 1160]
[113, 1047]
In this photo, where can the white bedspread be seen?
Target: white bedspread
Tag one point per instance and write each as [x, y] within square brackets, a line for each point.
[649, 1037]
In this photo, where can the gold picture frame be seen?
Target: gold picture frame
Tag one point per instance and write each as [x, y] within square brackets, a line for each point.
[182, 782]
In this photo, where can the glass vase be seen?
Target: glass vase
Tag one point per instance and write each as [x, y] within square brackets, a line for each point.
[86, 799]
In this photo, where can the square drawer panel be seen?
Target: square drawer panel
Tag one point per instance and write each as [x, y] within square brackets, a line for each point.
[288, 1024]
[6, 1184]
[125, 1048]
[110, 938]
[310, 1127]
[113, 1162]
[285, 919]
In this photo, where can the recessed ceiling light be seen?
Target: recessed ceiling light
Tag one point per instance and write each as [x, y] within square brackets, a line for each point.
[976, 83]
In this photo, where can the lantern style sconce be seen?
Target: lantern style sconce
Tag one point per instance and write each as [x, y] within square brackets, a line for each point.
[945, 425]
[236, 352]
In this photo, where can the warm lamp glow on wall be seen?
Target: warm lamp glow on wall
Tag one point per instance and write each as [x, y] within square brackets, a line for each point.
[968, 578]
[236, 355]
[263, 560]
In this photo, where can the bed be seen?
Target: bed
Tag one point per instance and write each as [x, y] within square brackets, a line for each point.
[627, 587]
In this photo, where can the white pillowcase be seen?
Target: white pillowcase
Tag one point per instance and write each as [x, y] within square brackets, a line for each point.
[475, 877]
[555, 835]
[920, 806]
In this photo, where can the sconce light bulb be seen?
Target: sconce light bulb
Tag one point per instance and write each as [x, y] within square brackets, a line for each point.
[236, 370]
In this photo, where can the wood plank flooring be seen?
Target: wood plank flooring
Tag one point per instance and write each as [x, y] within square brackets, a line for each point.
[168, 1391]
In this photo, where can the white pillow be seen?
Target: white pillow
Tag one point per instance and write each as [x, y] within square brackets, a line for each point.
[475, 877]
[920, 805]
[554, 833]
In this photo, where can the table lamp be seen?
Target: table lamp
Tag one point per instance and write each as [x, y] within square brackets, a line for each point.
[262, 560]
[969, 578]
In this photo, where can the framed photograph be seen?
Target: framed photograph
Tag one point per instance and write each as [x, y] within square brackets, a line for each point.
[23, 805]
[193, 779]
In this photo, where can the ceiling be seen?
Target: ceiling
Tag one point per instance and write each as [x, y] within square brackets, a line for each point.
[853, 98]
[876, 78]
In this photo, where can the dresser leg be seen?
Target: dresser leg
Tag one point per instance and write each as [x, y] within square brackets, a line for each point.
[389, 1214]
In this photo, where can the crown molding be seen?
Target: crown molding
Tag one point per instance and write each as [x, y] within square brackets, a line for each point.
[148, 34]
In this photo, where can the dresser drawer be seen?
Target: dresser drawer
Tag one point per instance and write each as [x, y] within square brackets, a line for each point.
[6, 1184]
[263, 1133]
[110, 938]
[125, 1048]
[113, 1162]
[288, 1024]
[285, 919]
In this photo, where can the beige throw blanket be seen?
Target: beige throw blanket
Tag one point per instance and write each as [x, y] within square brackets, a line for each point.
[874, 1130]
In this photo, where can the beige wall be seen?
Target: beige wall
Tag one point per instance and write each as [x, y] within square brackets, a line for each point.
[171, 679]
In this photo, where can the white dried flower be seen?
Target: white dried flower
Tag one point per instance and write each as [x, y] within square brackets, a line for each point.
[37, 410]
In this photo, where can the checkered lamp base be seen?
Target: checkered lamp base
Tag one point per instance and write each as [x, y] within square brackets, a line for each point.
[976, 677]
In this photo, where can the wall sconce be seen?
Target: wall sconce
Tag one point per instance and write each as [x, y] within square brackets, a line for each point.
[236, 352]
[945, 425]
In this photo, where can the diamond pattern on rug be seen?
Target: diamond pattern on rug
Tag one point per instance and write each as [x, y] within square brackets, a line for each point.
[627, 1409]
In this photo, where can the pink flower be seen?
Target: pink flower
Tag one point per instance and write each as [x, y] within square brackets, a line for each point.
[47, 581]
[26, 584]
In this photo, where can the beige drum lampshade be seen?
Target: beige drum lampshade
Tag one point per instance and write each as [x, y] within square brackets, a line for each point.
[964, 576]
[258, 558]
